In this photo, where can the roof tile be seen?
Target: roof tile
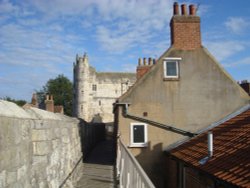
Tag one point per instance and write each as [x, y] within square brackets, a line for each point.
[231, 156]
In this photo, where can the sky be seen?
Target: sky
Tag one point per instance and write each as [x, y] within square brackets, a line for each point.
[39, 39]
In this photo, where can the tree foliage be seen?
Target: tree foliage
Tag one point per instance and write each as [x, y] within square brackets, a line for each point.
[18, 102]
[61, 88]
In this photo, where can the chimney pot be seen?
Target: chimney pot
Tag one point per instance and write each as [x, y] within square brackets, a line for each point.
[185, 29]
[49, 103]
[176, 8]
[154, 61]
[192, 10]
[139, 62]
[144, 61]
[150, 61]
[34, 100]
[184, 9]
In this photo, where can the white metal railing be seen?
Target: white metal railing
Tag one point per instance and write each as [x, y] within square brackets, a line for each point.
[129, 171]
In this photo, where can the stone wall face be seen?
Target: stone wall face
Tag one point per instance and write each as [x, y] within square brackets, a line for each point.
[108, 88]
[37, 148]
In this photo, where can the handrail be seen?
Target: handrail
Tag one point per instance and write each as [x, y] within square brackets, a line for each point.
[131, 174]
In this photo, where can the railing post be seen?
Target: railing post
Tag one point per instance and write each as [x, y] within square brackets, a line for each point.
[131, 174]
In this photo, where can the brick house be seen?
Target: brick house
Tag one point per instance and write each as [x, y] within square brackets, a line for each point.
[181, 93]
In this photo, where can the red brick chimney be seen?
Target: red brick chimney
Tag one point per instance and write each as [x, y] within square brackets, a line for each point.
[246, 86]
[143, 67]
[34, 102]
[185, 28]
[49, 103]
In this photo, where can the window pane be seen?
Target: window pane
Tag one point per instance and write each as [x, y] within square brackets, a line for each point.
[171, 68]
[138, 133]
[94, 87]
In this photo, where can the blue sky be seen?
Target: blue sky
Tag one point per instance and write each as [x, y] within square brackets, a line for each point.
[39, 39]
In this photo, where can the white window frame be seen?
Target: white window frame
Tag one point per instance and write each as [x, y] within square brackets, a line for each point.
[171, 59]
[141, 144]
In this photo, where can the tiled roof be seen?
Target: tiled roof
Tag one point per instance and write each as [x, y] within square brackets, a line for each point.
[231, 156]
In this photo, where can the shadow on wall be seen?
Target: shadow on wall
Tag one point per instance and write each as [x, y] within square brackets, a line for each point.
[97, 118]
[152, 162]
[91, 134]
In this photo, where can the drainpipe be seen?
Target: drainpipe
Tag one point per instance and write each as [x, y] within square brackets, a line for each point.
[154, 123]
[209, 148]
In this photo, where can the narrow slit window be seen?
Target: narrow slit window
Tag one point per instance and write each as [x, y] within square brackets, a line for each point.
[94, 87]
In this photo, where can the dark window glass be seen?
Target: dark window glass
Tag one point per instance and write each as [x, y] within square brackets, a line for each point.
[139, 134]
[94, 87]
[171, 68]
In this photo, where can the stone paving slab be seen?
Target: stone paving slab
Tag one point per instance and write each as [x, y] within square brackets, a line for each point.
[98, 168]
[95, 176]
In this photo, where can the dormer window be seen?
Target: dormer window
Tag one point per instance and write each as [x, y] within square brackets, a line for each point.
[171, 68]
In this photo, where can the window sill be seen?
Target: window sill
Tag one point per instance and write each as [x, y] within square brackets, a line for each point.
[143, 145]
[171, 79]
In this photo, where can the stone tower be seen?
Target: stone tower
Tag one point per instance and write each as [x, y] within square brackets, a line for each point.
[81, 87]
[95, 92]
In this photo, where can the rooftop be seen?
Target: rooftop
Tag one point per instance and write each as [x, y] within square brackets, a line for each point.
[231, 156]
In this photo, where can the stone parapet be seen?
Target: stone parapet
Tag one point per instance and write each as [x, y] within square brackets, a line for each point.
[37, 148]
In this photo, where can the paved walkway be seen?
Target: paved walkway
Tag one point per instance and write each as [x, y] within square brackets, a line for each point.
[98, 170]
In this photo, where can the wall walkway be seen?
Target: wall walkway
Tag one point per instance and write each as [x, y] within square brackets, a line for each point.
[98, 171]
[40, 149]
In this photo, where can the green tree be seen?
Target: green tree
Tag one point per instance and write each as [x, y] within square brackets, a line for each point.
[62, 90]
[18, 102]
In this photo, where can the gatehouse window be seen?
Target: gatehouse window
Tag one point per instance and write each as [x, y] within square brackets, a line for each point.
[94, 87]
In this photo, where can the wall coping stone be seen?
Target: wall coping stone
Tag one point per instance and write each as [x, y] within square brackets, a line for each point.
[10, 109]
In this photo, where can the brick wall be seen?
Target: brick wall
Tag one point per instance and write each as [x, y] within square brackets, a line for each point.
[144, 66]
[185, 28]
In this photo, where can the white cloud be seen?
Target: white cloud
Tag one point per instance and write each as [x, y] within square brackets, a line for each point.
[203, 9]
[29, 56]
[116, 25]
[7, 7]
[138, 21]
[237, 25]
[241, 62]
[225, 49]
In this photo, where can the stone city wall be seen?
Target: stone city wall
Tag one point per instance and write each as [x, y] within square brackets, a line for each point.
[37, 148]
